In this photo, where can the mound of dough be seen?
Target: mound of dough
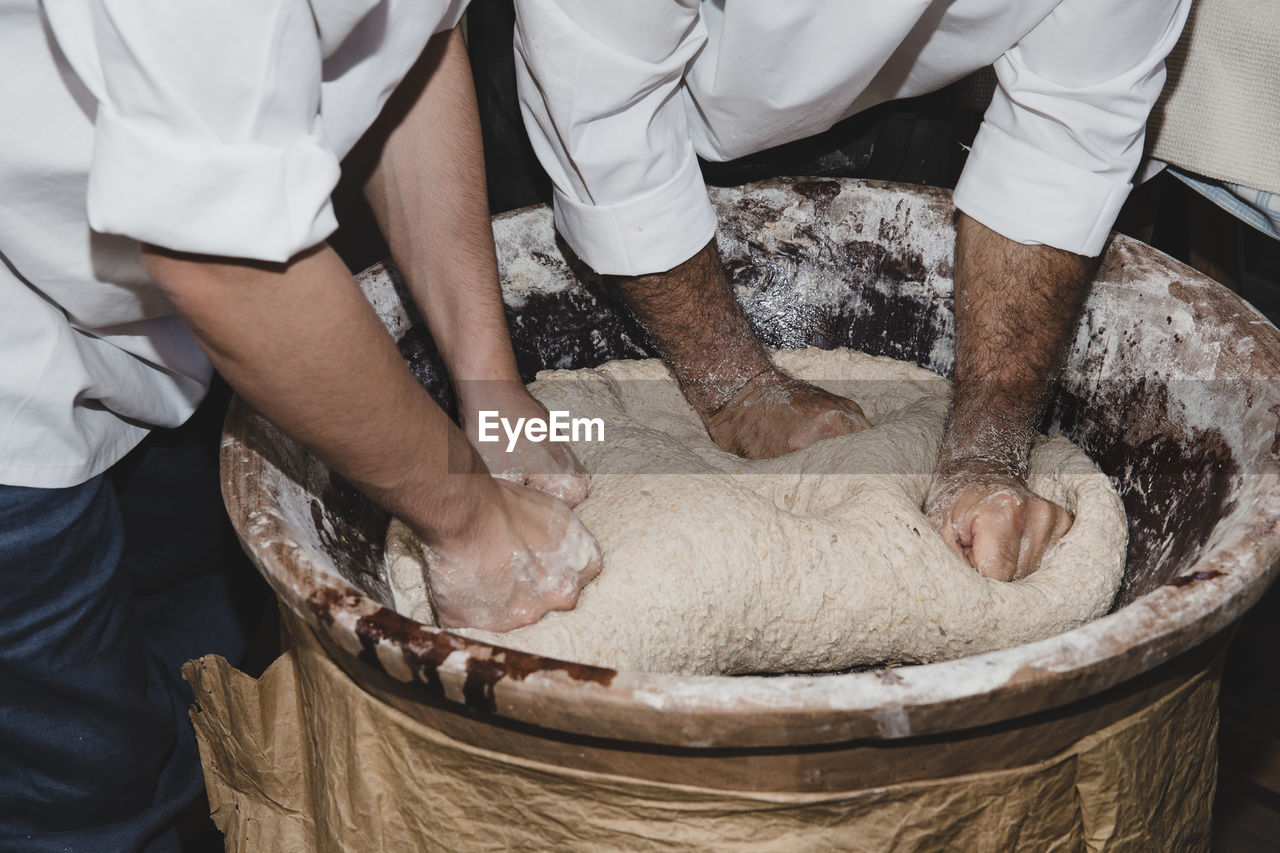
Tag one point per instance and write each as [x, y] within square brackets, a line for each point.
[820, 560]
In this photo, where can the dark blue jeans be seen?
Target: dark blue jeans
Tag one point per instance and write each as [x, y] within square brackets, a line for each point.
[105, 589]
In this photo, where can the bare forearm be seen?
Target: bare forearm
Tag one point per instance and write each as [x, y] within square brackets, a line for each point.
[1016, 309]
[427, 191]
[302, 346]
[691, 314]
[748, 406]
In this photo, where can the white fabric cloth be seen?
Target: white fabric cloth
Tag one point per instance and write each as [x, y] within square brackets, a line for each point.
[620, 98]
[203, 127]
[1220, 115]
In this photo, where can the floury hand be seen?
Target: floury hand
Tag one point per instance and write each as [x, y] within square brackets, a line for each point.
[522, 556]
[547, 466]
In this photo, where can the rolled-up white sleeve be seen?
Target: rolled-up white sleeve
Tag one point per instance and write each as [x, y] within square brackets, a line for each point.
[208, 135]
[1053, 160]
[599, 88]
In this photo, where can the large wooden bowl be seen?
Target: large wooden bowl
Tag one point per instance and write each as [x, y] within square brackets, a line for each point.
[1171, 386]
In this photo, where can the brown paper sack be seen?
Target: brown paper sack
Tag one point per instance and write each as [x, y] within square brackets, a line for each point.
[303, 760]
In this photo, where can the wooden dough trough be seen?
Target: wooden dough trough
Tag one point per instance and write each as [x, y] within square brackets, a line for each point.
[1171, 386]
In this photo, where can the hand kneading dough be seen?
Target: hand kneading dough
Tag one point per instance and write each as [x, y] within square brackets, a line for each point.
[820, 560]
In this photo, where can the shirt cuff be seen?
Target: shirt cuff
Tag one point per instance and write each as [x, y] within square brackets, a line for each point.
[1030, 196]
[650, 233]
[254, 201]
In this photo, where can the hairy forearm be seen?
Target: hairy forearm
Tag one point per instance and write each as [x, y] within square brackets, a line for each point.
[299, 342]
[691, 314]
[748, 405]
[1016, 308]
[426, 187]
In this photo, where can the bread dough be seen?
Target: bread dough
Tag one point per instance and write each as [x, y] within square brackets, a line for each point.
[820, 560]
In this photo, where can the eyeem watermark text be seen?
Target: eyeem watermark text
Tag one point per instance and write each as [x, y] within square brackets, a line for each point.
[559, 427]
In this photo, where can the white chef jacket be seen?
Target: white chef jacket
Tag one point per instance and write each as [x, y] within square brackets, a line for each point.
[619, 97]
[212, 127]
